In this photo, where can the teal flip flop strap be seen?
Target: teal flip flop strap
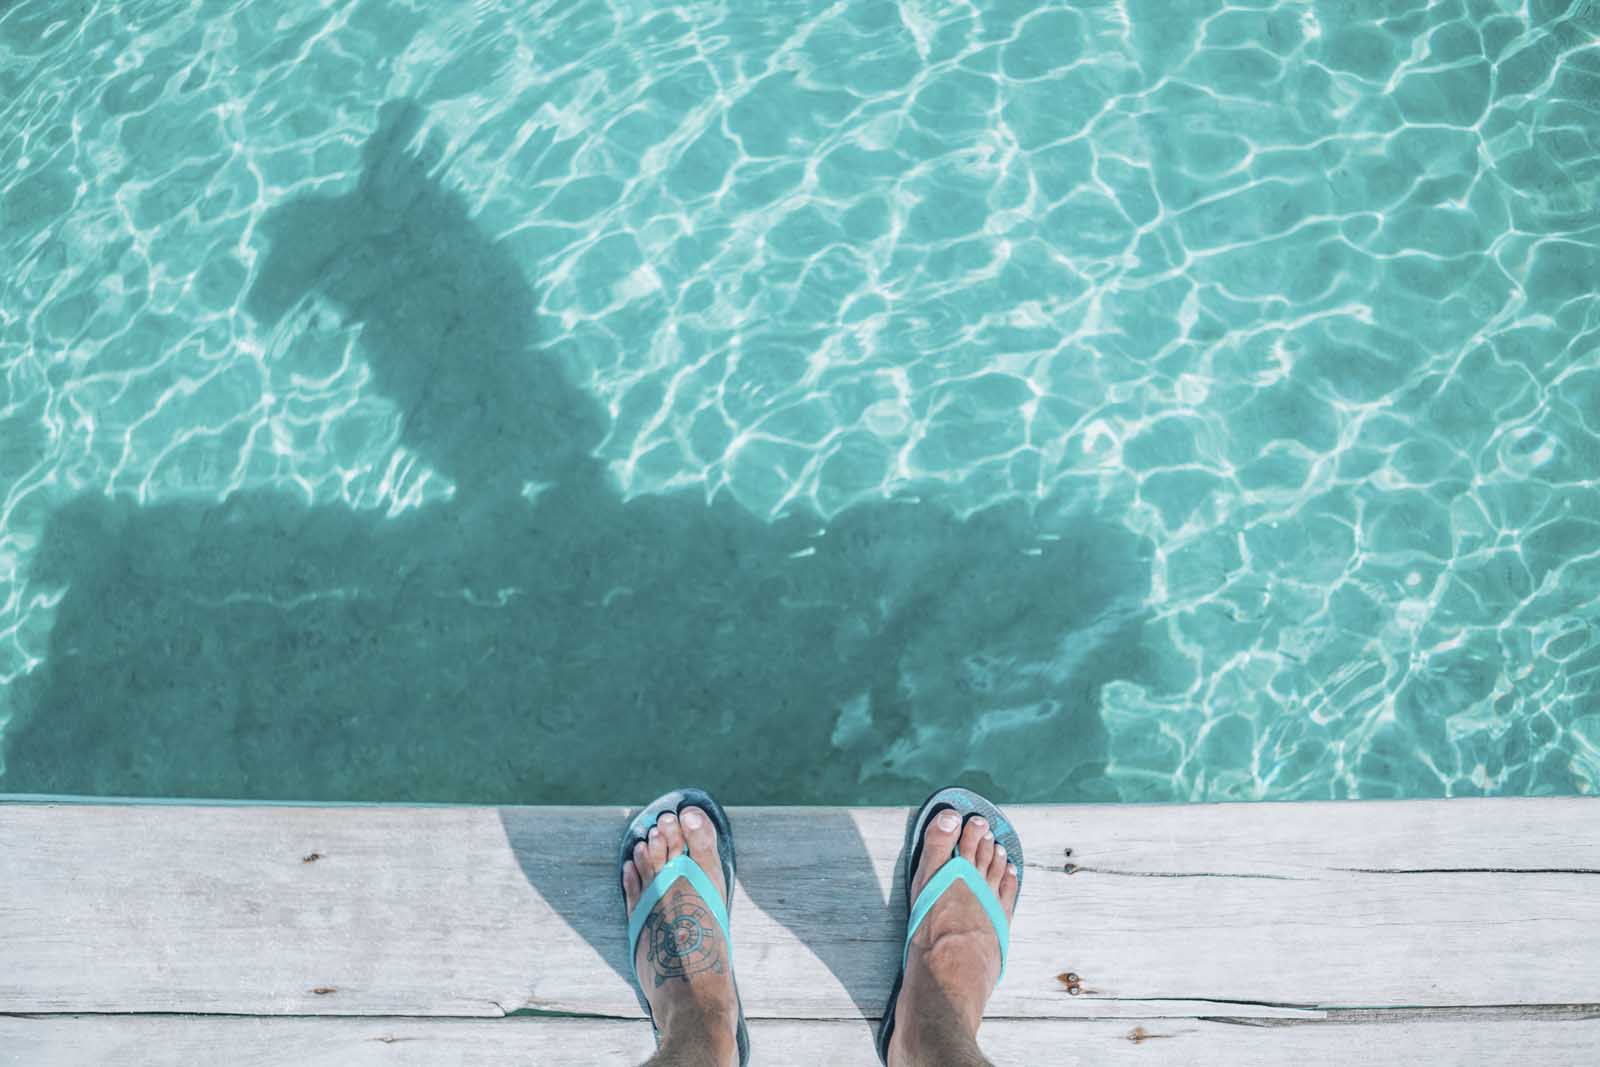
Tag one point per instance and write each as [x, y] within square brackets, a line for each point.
[959, 869]
[682, 866]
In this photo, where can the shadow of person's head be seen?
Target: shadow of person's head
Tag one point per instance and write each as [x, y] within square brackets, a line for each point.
[447, 318]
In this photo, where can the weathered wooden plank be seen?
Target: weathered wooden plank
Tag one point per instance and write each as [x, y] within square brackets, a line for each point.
[169, 1041]
[1232, 910]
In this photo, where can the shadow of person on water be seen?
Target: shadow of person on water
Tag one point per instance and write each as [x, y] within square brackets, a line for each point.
[572, 648]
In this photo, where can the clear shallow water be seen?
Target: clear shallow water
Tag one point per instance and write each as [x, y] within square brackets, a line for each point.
[493, 401]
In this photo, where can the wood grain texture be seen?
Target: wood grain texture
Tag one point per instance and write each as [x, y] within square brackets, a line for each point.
[168, 1041]
[1242, 911]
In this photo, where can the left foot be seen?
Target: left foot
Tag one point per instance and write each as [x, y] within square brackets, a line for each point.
[682, 959]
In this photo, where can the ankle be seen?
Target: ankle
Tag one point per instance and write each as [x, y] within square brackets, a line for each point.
[935, 1022]
[695, 1032]
[923, 1039]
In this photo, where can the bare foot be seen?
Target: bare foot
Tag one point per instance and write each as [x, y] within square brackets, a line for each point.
[682, 959]
[954, 960]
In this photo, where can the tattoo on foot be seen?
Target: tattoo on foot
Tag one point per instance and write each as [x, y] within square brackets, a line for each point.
[683, 938]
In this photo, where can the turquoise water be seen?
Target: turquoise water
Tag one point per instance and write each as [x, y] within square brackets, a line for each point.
[502, 401]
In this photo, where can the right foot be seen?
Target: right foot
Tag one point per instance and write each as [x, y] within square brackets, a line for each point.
[954, 959]
[682, 959]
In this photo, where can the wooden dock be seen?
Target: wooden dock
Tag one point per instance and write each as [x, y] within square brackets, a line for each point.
[1422, 932]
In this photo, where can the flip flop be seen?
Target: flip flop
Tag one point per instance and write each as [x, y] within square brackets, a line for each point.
[967, 804]
[684, 867]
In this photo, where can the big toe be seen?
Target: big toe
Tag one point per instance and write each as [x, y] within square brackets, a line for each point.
[700, 836]
[938, 843]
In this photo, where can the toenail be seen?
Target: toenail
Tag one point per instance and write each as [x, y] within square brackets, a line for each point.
[667, 816]
[947, 820]
[1011, 868]
[1000, 850]
[693, 820]
[980, 821]
[989, 836]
